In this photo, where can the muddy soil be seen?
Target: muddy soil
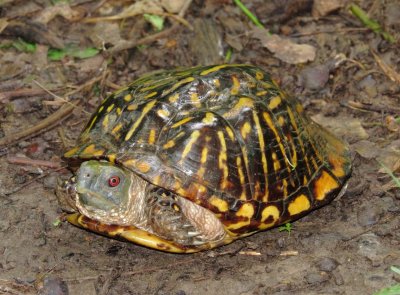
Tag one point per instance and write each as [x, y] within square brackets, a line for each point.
[346, 247]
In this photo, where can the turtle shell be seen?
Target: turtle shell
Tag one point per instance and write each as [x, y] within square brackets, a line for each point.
[225, 137]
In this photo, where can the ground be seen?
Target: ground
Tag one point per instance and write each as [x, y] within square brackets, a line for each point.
[351, 86]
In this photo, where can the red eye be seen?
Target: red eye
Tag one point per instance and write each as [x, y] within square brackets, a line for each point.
[113, 181]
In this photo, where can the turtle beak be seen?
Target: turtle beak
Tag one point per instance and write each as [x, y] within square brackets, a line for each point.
[66, 194]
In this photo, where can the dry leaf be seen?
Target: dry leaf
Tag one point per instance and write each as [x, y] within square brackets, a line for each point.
[138, 8]
[342, 126]
[285, 49]
[324, 7]
[62, 9]
[173, 6]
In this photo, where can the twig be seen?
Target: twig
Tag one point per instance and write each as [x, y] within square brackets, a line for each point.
[7, 95]
[372, 108]
[53, 94]
[150, 39]
[49, 122]
[132, 273]
[344, 30]
[43, 125]
[33, 162]
[17, 189]
[391, 73]
[146, 40]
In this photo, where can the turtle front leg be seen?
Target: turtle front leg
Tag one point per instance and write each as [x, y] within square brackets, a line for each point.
[166, 218]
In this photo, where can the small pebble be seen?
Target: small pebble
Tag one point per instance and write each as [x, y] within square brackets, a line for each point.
[327, 264]
[50, 181]
[338, 278]
[54, 286]
[314, 78]
[316, 278]
[370, 215]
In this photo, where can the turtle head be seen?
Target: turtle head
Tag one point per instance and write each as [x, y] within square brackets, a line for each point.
[101, 191]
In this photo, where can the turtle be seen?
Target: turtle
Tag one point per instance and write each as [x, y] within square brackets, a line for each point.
[190, 159]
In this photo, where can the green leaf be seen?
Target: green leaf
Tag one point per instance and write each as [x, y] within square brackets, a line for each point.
[57, 222]
[59, 54]
[24, 46]
[56, 54]
[392, 290]
[395, 269]
[286, 227]
[82, 53]
[156, 21]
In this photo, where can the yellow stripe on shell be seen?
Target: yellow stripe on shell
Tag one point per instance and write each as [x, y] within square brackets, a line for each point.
[274, 102]
[261, 141]
[152, 94]
[128, 97]
[243, 102]
[298, 205]
[111, 158]
[173, 98]
[285, 185]
[209, 118]
[236, 86]
[110, 107]
[193, 138]
[181, 122]
[146, 109]
[71, 152]
[195, 99]
[241, 177]
[294, 125]
[259, 75]
[132, 107]
[203, 160]
[267, 212]
[213, 69]
[152, 136]
[117, 128]
[222, 158]
[105, 122]
[90, 150]
[91, 124]
[246, 211]
[220, 204]
[169, 144]
[271, 125]
[262, 93]
[177, 85]
[162, 113]
[245, 130]
[230, 133]
[324, 185]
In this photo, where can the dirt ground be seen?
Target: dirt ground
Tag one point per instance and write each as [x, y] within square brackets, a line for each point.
[351, 86]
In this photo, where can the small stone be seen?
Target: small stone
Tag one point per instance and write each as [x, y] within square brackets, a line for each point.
[369, 215]
[338, 278]
[327, 264]
[314, 78]
[54, 286]
[50, 181]
[316, 278]
[324, 7]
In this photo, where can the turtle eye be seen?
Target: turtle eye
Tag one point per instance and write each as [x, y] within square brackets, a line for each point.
[113, 181]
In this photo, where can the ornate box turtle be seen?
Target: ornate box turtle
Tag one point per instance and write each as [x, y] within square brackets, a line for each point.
[191, 159]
